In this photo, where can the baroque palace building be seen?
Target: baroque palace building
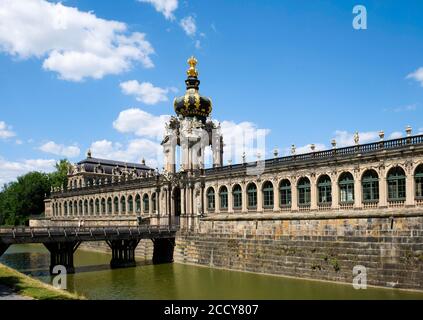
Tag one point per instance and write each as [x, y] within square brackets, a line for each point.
[383, 176]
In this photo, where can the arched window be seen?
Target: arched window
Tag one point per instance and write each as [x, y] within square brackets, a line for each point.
[304, 191]
[91, 207]
[80, 208]
[324, 187]
[285, 193]
[116, 205]
[70, 208]
[123, 204]
[146, 203]
[268, 196]
[370, 186]
[346, 187]
[418, 178]
[60, 209]
[103, 206]
[396, 184]
[97, 206]
[210, 199]
[237, 197]
[154, 202]
[66, 208]
[86, 207]
[109, 205]
[252, 196]
[223, 196]
[137, 203]
[75, 206]
[130, 204]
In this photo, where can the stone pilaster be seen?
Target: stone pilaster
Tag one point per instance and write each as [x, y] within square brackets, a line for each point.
[313, 193]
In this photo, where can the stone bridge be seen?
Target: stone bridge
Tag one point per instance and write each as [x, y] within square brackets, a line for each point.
[62, 242]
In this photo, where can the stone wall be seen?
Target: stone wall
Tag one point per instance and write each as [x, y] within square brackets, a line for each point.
[321, 246]
[328, 249]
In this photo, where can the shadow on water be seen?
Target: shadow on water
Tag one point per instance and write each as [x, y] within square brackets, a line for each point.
[95, 280]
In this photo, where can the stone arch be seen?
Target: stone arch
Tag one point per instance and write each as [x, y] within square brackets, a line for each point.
[304, 191]
[396, 183]
[116, 205]
[103, 206]
[251, 195]
[91, 207]
[146, 203]
[285, 193]
[211, 198]
[268, 191]
[123, 204]
[324, 189]
[223, 197]
[370, 185]
[137, 203]
[346, 185]
[130, 202]
[418, 181]
[237, 196]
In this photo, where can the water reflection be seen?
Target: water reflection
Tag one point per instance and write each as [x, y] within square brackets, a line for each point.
[95, 280]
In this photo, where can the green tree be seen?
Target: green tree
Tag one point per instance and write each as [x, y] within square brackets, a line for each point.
[25, 197]
[59, 178]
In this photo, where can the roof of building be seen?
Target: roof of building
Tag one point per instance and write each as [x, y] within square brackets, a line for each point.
[90, 163]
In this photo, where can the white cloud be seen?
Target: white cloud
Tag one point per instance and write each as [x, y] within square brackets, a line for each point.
[238, 138]
[6, 131]
[395, 135]
[421, 131]
[73, 43]
[10, 170]
[134, 152]
[345, 138]
[409, 107]
[307, 148]
[166, 7]
[189, 25]
[417, 75]
[197, 44]
[145, 92]
[141, 123]
[60, 149]
[243, 137]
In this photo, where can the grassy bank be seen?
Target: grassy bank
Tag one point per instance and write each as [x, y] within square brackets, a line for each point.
[27, 286]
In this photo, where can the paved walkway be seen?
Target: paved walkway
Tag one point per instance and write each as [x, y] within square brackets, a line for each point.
[7, 294]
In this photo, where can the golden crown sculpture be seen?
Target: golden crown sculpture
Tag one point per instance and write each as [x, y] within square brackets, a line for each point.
[192, 71]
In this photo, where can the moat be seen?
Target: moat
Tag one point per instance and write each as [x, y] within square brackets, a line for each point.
[95, 280]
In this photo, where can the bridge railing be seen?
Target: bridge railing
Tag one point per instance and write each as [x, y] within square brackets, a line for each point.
[14, 231]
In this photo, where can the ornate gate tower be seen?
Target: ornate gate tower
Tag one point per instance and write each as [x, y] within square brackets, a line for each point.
[192, 131]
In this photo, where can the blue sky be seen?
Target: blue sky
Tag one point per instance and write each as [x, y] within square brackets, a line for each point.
[103, 74]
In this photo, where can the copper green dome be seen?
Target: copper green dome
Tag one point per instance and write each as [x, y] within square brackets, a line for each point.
[192, 104]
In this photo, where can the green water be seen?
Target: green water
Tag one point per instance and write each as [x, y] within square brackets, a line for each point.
[95, 280]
